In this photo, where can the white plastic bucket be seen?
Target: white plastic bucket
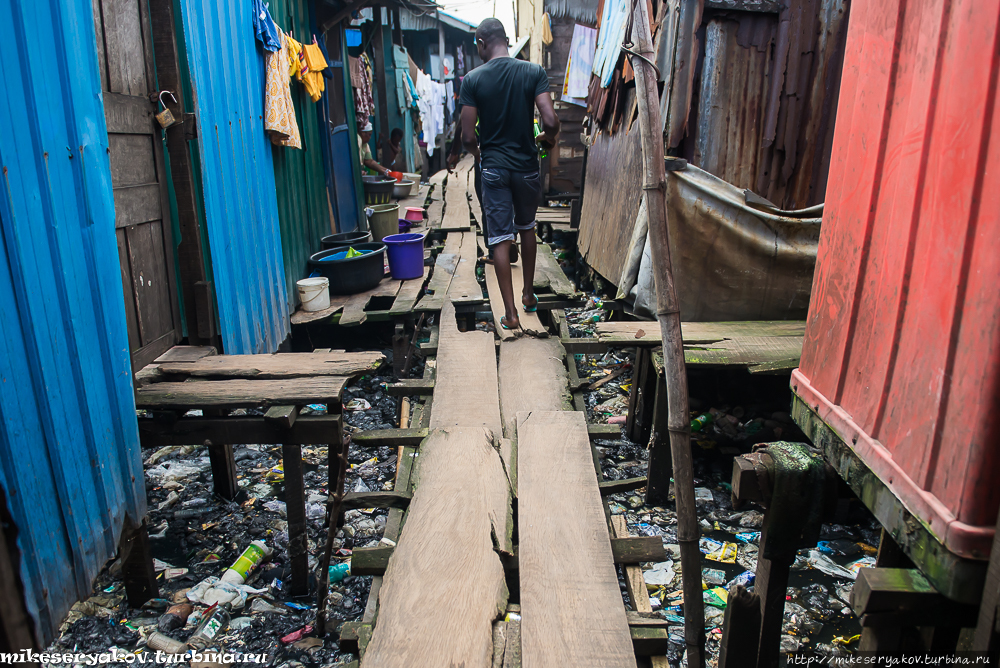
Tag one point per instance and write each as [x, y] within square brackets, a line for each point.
[314, 293]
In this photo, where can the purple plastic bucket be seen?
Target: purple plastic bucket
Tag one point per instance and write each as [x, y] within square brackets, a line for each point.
[406, 255]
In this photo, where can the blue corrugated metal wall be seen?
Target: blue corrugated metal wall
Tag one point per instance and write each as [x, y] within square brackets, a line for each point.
[241, 209]
[69, 444]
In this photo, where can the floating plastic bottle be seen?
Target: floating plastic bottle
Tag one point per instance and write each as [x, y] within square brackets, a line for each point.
[256, 553]
[702, 421]
[213, 624]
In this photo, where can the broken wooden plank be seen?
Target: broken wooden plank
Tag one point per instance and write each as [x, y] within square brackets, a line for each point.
[608, 431]
[376, 499]
[466, 392]
[419, 597]
[532, 376]
[572, 611]
[464, 286]
[442, 275]
[648, 332]
[409, 387]
[337, 302]
[186, 354]
[240, 393]
[409, 293]
[278, 365]
[354, 309]
[307, 430]
[626, 485]
[380, 437]
[547, 266]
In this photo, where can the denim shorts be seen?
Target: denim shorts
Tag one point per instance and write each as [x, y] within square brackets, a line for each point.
[510, 201]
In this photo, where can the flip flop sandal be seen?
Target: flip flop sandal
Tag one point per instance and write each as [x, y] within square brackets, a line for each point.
[533, 307]
[503, 323]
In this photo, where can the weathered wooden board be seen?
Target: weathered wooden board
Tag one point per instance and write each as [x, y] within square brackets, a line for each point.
[648, 332]
[464, 286]
[532, 378]
[546, 267]
[408, 294]
[239, 393]
[465, 393]
[279, 365]
[445, 585]
[442, 274]
[337, 302]
[354, 309]
[528, 320]
[185, 354]
[571, 609]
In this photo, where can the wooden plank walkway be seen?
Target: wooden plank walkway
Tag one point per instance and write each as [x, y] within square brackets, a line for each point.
[354, 305]
[466, 391]
[532, 377]
[444, 584]
[279, 365]
[529, 321]
[571, 607]
[647, 333]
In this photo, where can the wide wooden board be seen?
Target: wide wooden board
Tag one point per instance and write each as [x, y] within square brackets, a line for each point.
[647, 333]
[532, 378]
[465, 393]
[444, 584]
[571, 608]
[239, 393]
[279, 365]
[442, 274]
[528, 320]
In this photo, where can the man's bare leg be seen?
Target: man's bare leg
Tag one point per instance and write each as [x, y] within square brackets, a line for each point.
[501, 265]
[529, 248]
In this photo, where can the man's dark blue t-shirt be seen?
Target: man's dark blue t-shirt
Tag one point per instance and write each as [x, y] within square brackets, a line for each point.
[503, 90]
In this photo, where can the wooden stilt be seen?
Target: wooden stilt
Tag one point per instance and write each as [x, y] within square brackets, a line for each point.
[137, 566]
[295, 506]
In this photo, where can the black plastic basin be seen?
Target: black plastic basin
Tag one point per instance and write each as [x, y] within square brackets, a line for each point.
[350, 276]
[345, 238]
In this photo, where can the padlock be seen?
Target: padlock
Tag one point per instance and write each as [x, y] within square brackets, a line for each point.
[166, 117]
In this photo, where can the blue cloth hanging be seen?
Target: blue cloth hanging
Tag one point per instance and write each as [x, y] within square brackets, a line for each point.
[264, 27]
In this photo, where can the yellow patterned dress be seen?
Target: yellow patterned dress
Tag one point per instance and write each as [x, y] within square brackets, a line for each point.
[279, 113]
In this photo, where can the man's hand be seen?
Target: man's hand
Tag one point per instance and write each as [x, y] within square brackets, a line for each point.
[546, 140]
[452, 161]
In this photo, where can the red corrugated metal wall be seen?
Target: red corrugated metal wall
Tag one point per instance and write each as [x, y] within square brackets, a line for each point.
[902, 349]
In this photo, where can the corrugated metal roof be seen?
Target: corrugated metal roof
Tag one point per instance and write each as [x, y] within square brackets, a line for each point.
[237, 175]
[303, 211]
[69, 445]
[581, 11]
[410, 20]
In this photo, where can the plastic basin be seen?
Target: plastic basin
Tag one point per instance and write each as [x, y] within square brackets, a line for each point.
[378, 190]
[350, 276]
[402, 189]
[414, 214]
[406, 255]
[345, 238]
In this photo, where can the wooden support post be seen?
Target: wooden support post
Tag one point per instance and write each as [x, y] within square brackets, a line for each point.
[223, 470]
[137, 566]
[770, 584]
[740, 628]
[987, 637]
[295, 506]
[661, 463]
[399, 348]
[381, 89]
[640, 397]
[16, 626]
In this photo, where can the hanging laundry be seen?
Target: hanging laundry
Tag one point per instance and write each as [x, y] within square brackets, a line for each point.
[312, 78]
[295, 62]
[328, 72]
[449, 96]
[614, 20]
[431, 107]
[580, 64]
[279, 113]
[364, 103]
[546, 29]
[460, 59]
[264, 27]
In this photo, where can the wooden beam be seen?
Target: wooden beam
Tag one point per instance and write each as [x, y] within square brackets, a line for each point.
[376, 500]
[279, 365]
[410, 387]
[627, 485]
[283, 416]
[306, 430]
[240, 393]
[380, 437]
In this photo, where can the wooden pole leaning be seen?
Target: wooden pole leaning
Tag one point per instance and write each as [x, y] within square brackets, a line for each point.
[668, 314]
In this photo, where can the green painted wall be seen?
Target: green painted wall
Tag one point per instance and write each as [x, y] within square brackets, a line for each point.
[303, 209]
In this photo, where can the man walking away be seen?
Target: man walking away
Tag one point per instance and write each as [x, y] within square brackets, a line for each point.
[502, 94]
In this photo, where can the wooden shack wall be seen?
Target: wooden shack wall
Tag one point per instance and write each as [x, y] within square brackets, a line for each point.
[761, 117]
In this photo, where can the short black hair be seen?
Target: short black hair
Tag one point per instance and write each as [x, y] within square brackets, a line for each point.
[491, 31]
[396, 132]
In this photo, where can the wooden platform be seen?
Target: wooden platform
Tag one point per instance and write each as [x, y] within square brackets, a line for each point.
[571, 608]
[404, 292]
